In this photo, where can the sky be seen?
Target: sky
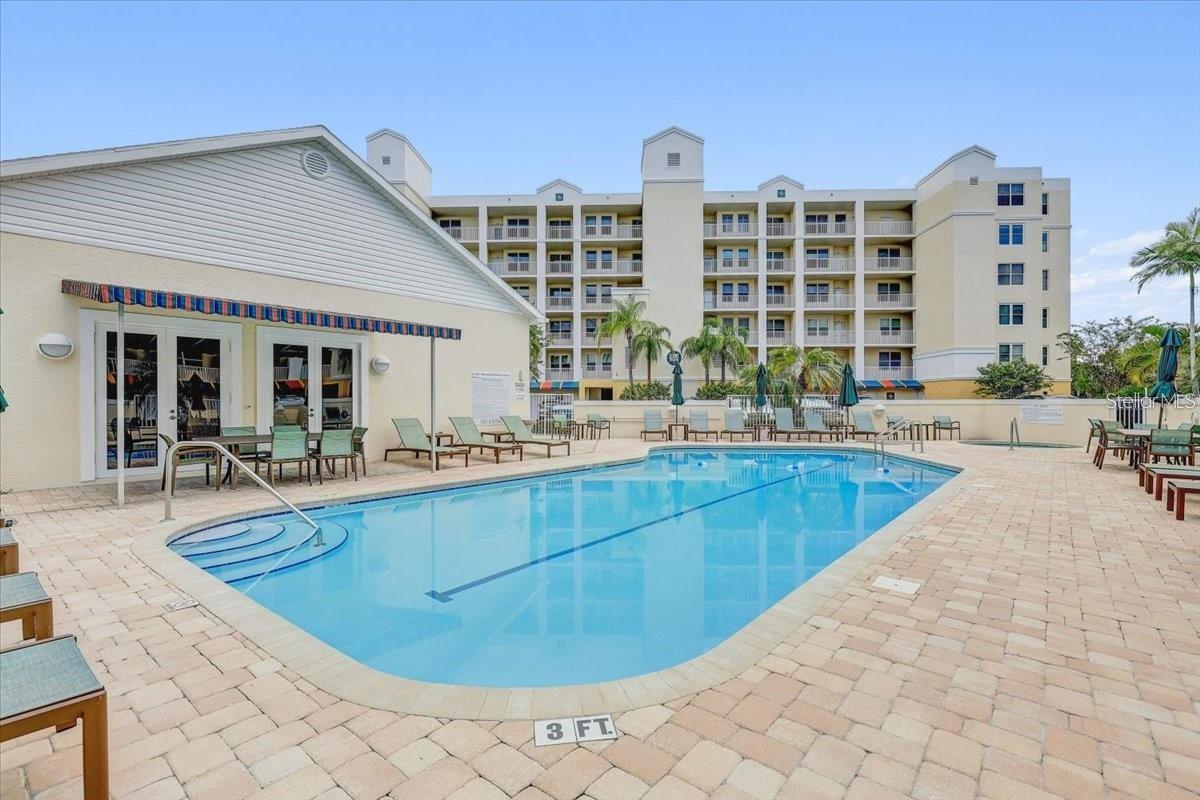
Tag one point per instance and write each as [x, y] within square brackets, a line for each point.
[503, 97]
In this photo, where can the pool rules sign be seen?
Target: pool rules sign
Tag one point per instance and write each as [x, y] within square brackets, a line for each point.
[570, 730]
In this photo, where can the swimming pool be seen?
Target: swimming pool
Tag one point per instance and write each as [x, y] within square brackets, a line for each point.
[568, 578]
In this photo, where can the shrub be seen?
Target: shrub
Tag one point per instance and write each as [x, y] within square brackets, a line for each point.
[646, 391]
[719, 390]
[1010, 379]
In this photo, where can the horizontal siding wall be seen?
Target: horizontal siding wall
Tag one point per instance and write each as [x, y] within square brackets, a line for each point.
[255, 210]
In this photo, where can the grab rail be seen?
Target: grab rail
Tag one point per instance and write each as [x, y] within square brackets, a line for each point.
[911, 425]
[234, 460]
[1014, 434]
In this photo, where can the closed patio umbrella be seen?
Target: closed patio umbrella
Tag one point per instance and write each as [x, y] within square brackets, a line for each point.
[1163, 390]
[760, 386]
[677, 388]
[848, 396]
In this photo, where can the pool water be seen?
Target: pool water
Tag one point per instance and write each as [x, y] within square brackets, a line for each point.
[575, 577]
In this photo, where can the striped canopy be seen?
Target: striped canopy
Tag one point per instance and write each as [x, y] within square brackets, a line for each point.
[890, 384]
[241, 309]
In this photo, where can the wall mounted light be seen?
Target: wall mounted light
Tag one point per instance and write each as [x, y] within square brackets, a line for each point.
[55, 345]
[380, 364]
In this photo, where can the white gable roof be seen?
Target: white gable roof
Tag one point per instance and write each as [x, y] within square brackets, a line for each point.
[668, 131]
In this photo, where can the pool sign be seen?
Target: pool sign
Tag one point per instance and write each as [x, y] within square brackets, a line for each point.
[572, 730]
[674, 357]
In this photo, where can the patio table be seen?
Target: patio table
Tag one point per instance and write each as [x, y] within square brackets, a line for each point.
[236, 443]
[1142, 437]
[671, 426]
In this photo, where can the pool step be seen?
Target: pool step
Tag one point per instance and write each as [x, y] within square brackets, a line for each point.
[303, 550]
[255, 544]
[215, 534]
[249, 537]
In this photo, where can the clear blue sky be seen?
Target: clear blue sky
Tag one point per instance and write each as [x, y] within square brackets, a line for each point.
[503, 97]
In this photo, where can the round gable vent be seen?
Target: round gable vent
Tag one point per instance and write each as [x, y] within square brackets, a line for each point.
[316, 164]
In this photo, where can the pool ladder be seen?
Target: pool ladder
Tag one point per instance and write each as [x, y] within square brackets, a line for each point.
[914, 428]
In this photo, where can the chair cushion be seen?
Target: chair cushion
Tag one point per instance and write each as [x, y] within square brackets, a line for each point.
[42, 674]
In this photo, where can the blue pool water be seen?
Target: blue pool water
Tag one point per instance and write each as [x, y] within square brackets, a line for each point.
[578, 577]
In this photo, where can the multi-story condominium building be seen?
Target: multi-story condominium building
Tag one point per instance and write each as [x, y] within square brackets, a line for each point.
[916, 287]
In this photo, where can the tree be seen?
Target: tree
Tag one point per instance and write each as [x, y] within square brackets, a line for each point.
[1140, 360]
[537, 349]
[624, 320]
[1011, 379]
[704, 346]
[732, 350]
[1095, 350]
[791, 369]
[650, 340]
[1177, 253]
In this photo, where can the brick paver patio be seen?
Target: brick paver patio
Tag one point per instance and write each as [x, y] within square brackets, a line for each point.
[1051, 651]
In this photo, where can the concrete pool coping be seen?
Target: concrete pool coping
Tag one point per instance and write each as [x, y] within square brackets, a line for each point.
[344, 677]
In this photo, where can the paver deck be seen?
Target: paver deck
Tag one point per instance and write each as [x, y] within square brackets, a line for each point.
[1051, 650]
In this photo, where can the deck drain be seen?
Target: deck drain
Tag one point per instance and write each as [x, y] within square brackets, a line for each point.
[180, 604]
[896, 584]
[568, 730]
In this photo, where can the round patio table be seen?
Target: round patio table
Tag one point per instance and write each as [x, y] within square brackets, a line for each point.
[1142, 436]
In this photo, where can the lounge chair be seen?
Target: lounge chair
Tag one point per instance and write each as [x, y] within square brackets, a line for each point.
[944, 423]
[470, 438]
[735, 425]
[522, 435]
[10, 552]
[785, 425]
[1093, 431]
[1152, 476]
[289, 447]
[333, 445]
[48, 684]
[413, 440]
[1177, 491]
[598, 424]
[359, 436]
[814, 425]
[864, 424]
[698, 426]
[652, 423]
[23, 598]
[895, 419]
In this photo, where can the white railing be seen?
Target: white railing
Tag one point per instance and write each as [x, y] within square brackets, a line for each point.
[510, 232]
[829, 228]
[730, 301]
[463, 234]
[511, 267]
[629, 266]
[561, 302]
[889, 301]
[559, 339]
[889, 227]
[559, 231]
[594, 341]
[779, 337]
[560, 373]
[900, 337]
[597, 373]
[601, 303]
[904, 264]
[611, 231]
[559, 267]
[835, 300]
[729, 265]
[829, 338]
[780, 229]
[780, 264]
[830, 264]
[730, 229]
[781, 301]
[888, 373]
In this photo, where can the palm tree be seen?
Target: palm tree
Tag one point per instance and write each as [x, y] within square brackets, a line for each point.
[1139, 361]
[624, 320]
[651, 341]
[732, 350]
[703, 346]
[1176, 253]
[820, 370]
[791, 368]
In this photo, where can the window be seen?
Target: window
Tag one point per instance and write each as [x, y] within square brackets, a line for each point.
[1010, 274]
[1045, 318]
[814, 291]
[559, 223]
[727, 291]
[776, 325]
[1012, 313]
[560, 361]
[387, 160]
[743, 291]
[1010, 194]
[450, 223]
[774, 290]
[523, 291]
[1045, 356]
[1045, 280]
[743, 257]
[816, 326]
[518, 222]
[674, 160]
[1010, 352]
[889, 326]
[887, 252]
[887, 290]
[889, 359]
[781, 193]
[1012, 234]
[590, 326]
[774, 255]
[560, 326]
[1045, 241]
[1045, 204]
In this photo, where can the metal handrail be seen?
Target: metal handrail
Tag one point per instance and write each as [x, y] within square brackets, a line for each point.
[879, 443]
[1014, 434]
[204, 445]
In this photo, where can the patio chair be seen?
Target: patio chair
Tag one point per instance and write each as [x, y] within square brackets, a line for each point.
[1111, 441]
[414, 440]
[652, 423]
[895, 419]
[470, 437]
[944, 423]
[698, 426]
[1175, 447]
[247, 452]
[522, 435]
[735, 425]
[359, 436]
[48, 684]
[864, 424]
[1094, 427]
[335, 444]
[814, 425]
[10, 552]
[209, 458]
[785, 424]
[1151, 477]
[23, 598]
[598, 424]
[1177, 491]
[290, 447]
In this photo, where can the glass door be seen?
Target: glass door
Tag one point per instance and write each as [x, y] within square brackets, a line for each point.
[310, 380]
[291, 385]
[337, 388]
[143, 392]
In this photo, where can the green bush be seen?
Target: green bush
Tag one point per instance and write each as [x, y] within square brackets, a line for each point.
[1010, 379]
[646, 391]
[719, 390]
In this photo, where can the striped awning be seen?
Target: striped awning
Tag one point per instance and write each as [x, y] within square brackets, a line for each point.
[553, 386]
[890, 384]
[241, 309]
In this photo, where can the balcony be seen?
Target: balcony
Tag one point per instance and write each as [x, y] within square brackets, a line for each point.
[611, 231]
[730, 302]
[597, 373]
[775, 338]
[889, 227]
[600, 303]
[727, 266]
[511, 267]
[621, 267]
[560, 374]
[839, 228]
[891, 301]
[828, 338]
[734, 229]
[831, 264]
[888, 373]
[559, 267]
[890, 264]
[559, 232]
[781, 301]
[820, 300]
[780, 229]
[463, 234]
[558, 339]
[510, 232]
[781, 265]
[881, 338]
[558, 302]
[592, 340]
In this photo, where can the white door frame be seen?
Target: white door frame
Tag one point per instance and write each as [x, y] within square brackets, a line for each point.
[91, 410]
[267, 336]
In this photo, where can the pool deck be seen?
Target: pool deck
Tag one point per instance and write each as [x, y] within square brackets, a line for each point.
[1051, 650]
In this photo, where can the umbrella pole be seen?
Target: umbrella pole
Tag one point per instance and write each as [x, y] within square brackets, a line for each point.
[433, 456]
[121, 405]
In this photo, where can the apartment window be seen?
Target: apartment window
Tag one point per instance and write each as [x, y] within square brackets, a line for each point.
[887, 252]
[636, 257]
[674, 160]
[744, 323]
[774, 290]
[1045, 318]
[1010, 194]
[776, 325]
[743, 291]
[1012, 234]
[727, 291]
[450, 224]
[743, 257]
[1010, 352]
[889, 326]
[563, 291]
[774, 220]
[590, 326]
[774, 255]
[1045, 280]
[387, 160]
[743, 219]
[819, 253]
[1012, 313]
[1045, 356]
[1045, 241]
[559, 223]
[1010, 274]
[523, 291]
[560, 361]
[818, 326]
[887, 290]
[1045, 204]
[518, 222]
[889, 359]
[560, 326]
[816, 219]
[816, 291]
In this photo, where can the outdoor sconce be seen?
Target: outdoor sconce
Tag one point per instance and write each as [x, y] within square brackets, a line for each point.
[55, 346]
[380, 364]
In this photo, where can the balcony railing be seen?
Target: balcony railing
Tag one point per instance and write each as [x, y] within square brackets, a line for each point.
[840, 228]
[510, 232]
[600, 303]
[829, 338]
[463, 234]
[779, 337]
[836, 300]
[511, 267]
[830, 264]
[592, 340]
[729, 265]
[890, 301]
[730, 301]
[611, 231]
[904, 264]
[559, 267]
[560, 373]
[560, 302]
[888, 373]
[559, 339]
[889, 227]
[730, 229]
[886, 338]
[622, 267]
[781, 265]
[597, 373]
[781, 301]
[780, 229]
[559, 231]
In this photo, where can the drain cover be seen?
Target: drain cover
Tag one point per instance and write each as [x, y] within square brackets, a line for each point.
[896, 584]
[180, 604]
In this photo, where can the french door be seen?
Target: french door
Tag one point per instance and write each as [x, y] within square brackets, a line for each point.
[313, 380]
